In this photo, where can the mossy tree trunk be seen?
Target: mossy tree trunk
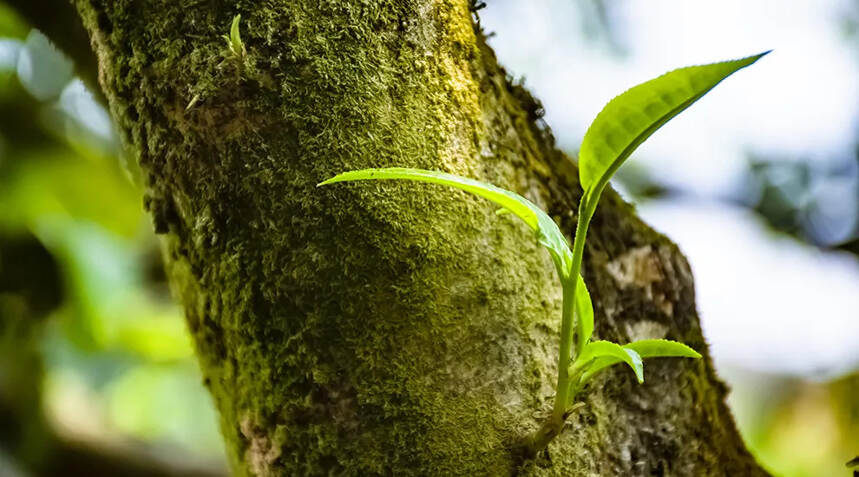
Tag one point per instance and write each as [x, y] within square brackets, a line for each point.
[388, 328]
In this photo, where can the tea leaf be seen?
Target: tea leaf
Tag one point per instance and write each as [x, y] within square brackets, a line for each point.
[662, 349]
[646, 349]
[597, 351]
[630, 118]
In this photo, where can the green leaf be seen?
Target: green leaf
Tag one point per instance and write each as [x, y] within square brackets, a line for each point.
[646, 349]
[662, 349]
[596, 366]
[598, 351]
[548, 233]
[235, 35]
[584, 314]
[630, 118]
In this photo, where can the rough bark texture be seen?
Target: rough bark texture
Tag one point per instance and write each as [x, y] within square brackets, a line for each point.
[388, 329]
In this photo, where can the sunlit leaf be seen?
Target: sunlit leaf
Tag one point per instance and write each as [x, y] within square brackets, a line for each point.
[646, 349]
[630, 118]
[662, 349]
[545, 228]
[598, 350]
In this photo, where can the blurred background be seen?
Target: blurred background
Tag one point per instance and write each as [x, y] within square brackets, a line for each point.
[97, 374]
[758, 183]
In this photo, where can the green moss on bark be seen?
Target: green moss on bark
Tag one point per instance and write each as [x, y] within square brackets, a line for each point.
[377, 329]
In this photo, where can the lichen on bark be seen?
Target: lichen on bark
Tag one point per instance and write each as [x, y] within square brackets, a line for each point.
[386, 329]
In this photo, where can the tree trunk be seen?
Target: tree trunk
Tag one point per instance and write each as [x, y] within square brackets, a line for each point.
[389, 328]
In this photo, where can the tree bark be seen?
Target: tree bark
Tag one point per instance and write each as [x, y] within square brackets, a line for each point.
[389, 329]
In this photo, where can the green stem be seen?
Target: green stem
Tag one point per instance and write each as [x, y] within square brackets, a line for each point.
[567, 320]
[552, 427]
[586, 210]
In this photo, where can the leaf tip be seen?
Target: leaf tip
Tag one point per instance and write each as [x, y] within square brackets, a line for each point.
[637, 364]
[755, 58]
[330, 180]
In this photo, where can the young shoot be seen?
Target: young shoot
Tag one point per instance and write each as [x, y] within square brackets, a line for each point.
[234, 40]
[623, 125]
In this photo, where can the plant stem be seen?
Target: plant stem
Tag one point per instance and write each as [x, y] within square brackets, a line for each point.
[587, 206]
[566, 348]
[553, 425]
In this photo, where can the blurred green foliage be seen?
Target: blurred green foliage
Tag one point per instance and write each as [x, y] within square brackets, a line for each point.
[798, 428]
[116, 359]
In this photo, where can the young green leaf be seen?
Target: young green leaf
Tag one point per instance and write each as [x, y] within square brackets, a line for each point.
[662, 349]
[235, 34]
[602, 350]
[654, 348]
[584, 315]
[630, 118]
[548, 233]
[234, 41]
